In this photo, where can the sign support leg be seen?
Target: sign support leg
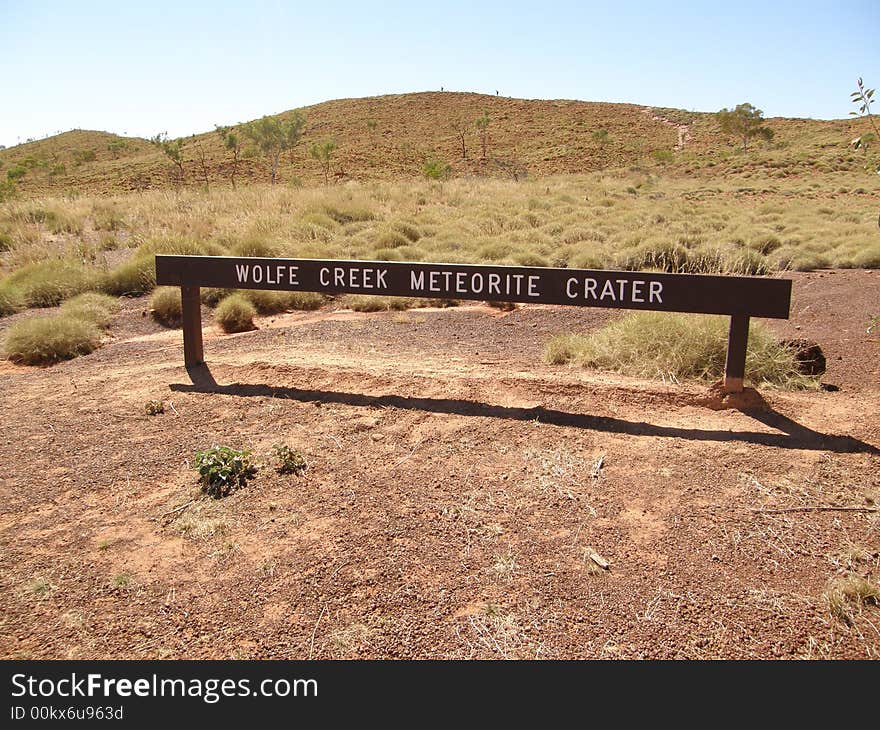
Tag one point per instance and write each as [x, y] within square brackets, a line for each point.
[737, 341]
[191, 309]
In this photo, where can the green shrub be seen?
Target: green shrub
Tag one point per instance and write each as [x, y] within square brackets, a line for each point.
[166, 306]
[48, 283]
[92, 307]
[6, 241]
[436, 169]
[49, 339]
[664, 157]
[289, 461]
[235, 314]
[662, 344]
[222, 470]
[16, 172]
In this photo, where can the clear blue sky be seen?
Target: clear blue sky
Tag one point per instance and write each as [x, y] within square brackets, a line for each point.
[182, 67]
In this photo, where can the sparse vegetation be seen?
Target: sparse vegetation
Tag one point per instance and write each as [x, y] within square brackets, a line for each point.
[222, 470]
[849, 595]
[235, 314]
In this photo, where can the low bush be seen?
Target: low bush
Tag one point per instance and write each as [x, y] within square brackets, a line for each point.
[662, 344]
[49, 339]
[223, 470]
[235, 314]
[92, 307]
[288, 461]
[166, 306]
[48, 283]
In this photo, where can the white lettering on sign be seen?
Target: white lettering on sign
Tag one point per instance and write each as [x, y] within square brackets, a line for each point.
[267, 273]
[463, 282]
[626, 291]
[353, 278]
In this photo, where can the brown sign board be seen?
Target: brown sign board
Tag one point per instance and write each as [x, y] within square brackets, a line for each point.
[703, 294]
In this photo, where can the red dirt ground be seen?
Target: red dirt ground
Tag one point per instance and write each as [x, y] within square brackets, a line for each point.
[457, 490]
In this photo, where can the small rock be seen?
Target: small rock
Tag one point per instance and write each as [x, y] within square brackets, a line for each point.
[808, 355]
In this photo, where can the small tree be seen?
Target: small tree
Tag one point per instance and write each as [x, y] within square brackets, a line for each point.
[202, 160]
[117, 146]
[232, 143]
[483, 131]
[865, 98]
[460, 129]
[172, 149]
[323, 153]
[745, 122]
[273, 137]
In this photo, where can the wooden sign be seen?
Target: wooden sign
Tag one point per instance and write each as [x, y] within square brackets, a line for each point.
[739, 297]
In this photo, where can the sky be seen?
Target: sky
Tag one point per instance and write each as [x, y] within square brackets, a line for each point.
[182, 67]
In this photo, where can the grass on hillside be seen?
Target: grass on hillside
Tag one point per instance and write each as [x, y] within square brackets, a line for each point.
[674, 347]
[624, 220]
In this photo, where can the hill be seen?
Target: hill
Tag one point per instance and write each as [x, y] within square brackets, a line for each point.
[391, 137]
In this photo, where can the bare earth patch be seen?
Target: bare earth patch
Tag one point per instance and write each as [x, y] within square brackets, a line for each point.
[462, 499]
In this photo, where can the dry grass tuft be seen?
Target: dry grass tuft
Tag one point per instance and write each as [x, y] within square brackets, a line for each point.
[45, 340]
[675, 346]
[235, 314]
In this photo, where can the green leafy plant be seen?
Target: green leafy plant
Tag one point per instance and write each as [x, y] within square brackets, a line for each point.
[865, 98]
[172, 149]
[745, 122]
[289, 461]
[223, 470]
[435, 169]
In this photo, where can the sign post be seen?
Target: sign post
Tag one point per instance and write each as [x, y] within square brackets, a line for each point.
[739, 297]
